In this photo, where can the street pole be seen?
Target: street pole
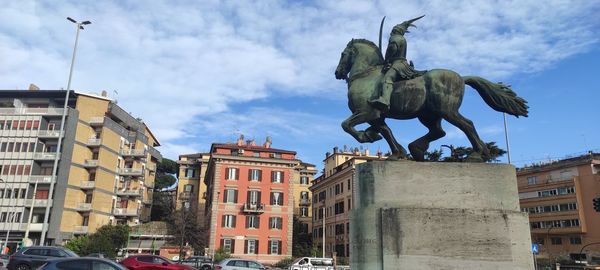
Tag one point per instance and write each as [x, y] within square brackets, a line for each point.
[506, 137]
[323, 247]
[79, 26]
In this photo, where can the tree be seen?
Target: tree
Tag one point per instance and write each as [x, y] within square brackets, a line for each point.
[162, 206]
[163, 181]
[461, 153]
[167, 166]
[79, 245]
[162, 202]
[108, 239]
[186, 228]
[221, 254]
[301, 239]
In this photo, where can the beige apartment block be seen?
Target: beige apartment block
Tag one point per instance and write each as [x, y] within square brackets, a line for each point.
[332, 200]
[104, 172]
[191, 188]
[559, 197]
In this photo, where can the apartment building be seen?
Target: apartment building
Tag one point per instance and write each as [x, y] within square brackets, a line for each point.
[559, 197]
[251, 199]
[302, 196]
[191, 188]
[332, 200]
[103, 173]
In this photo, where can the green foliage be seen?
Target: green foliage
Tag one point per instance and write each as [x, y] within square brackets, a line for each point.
[162, 201]
[301, 239]
[221, 254]
[461, 153]
[108, 239]
[162, 206]
[164, 180]
[167, 166]
[184, 224]
[284, 263]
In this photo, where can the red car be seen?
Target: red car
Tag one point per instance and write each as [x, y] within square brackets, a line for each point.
[152, 262]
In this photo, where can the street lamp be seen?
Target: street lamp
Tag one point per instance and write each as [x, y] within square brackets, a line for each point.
[79, 26]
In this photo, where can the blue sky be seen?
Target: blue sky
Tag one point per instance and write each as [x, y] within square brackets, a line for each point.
[199, 72]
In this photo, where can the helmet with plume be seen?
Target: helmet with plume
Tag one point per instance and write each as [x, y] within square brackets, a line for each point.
[403, 27]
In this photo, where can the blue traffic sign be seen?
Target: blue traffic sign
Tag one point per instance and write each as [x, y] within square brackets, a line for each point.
[535, 248]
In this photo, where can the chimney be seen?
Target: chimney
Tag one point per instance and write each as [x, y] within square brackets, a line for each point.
[240, 140]
[33, 87]
[268, 142]
[366, 152]
[103, 93]
[379, 154]
[252, 142]
[327, 154]
[335, 149]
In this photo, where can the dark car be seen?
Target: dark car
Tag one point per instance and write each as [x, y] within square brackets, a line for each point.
[29, 258]
[83, 263]
[199, 262]
[152, 262]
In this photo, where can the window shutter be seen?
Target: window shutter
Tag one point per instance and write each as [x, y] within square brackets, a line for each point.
[249, 174]
[272, 200]
[280, 224]
[237, 174]
[235, 195]
[222, 243]
[269, 247]
[282, 174]
[222, 223]
[248, 196]
[279, 248]
[232, 244]
[225, 196]
[247, 222]
[257, 222]
[259, 175]
[233, 221]
[282, 200]
[246, 246]
[258, 200]
[227, 173]
[256, 251]
[272, 176]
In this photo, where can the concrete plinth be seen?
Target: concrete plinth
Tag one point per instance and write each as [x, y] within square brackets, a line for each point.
[410, 215]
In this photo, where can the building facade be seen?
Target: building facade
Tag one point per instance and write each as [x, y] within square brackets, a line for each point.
[251, 199]
[191, 188]
[332, 200]
[559, 197]
[103, 173]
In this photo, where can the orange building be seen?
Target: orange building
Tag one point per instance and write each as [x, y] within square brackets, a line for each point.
[250, 199]
[559, 197]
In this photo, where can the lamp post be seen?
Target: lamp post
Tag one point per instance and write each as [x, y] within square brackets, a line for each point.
[79, 26]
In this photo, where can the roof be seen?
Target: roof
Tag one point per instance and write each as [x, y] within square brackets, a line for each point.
[568, 162]
[36, 93]
[250, 147]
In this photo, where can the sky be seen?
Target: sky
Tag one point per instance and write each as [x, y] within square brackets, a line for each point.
[199, 72]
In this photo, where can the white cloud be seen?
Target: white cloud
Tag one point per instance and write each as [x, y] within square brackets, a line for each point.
[183, 64]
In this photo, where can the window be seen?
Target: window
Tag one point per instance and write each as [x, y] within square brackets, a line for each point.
[277, 198]
[75, 265]
[232, 174]
[339, 207]
[228, 221]
[254, 175]
[230, 196]
[275, 223]
[303, 180]
[188, 188]
[254, 265]
[575, 240]
[238, 263]
[253, 197]
[190, 173]
[228, 245]
[98, 265]
[532, 180]
[303, 212]
[277, 177]
[252, 222]
[556, 240]
[251, 246]
[274, 247]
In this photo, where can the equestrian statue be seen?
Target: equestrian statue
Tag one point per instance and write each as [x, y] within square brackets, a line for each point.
[390, 87]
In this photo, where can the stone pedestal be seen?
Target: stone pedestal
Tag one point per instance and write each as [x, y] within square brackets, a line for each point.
[421, 216]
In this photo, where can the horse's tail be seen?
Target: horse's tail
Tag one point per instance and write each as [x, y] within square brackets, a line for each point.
[498, 96]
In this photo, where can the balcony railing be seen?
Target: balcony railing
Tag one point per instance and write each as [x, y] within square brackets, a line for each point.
[253, 208]
[94, 142]
[80, 229]
[132, 152]
[44, 155]
[41, 179]
[45, 111]
[49, 133]
[125, 212]
[90, 163]
[304, 202]
[87, 184]
[131, 171]
[129, 192]
[95, 121]
[84, 207]
[36, 202]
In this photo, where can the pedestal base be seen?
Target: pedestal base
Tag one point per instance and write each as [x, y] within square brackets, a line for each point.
[410, 215]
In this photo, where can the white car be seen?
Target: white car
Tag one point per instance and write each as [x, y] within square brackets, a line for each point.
[308, 263]
[238, 264]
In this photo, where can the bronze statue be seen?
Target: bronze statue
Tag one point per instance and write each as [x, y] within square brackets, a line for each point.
[434, 96]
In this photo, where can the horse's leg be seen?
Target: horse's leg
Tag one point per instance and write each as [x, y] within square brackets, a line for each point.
[420, 145]
[464, 124]
[398, 152]
[356, 119]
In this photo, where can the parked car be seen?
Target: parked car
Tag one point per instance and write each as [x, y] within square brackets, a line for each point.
[152, 262]
[82, 263]
[199, 262]
[309, 263]
[239, 264]
[29, 258]
[3, 260]
[97, 255]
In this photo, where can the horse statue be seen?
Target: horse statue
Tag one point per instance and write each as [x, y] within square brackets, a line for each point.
[432, 97]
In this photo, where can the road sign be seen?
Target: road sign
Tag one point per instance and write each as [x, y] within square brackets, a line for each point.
[535, 248]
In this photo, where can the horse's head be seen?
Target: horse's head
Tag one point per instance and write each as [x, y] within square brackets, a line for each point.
[361, 51]
[346, 61]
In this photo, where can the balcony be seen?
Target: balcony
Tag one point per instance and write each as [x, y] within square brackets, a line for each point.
[84, 207]
[93, 142]
[96, 121]
[23, 110]
[49, 133]
[41, 179]
[80, 230]
[253, 208]
[131, 172]
[125, 212]
[151, 167]
[132, 152]
[90, 163]
[36, 202]
[304, 202]
[185, 196]
[129, 192]
[44, 155]
[87, 184]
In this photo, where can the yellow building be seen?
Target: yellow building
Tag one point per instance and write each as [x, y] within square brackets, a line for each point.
[332, 200]
[191, 188]
[559, 197]
[103, 173]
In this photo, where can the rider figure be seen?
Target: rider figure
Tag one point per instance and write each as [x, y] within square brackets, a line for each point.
[396, 67]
